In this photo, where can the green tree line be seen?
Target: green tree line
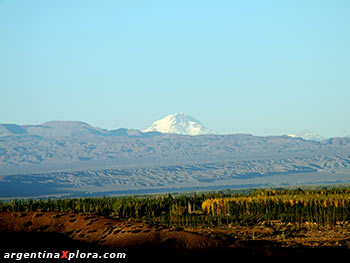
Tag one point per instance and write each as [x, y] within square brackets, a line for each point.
[321, 206]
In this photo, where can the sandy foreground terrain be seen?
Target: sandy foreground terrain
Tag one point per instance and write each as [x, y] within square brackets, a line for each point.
[53, 231]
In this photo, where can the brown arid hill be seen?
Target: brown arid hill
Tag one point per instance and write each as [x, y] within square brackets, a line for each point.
[141, 241]
[52, 230]
[103, 231]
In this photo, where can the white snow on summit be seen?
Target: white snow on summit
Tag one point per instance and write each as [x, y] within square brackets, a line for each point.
[179, 123]
[307, 135]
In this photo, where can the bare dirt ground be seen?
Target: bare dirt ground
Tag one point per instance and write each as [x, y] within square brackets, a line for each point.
[276, 240]
[104, 231]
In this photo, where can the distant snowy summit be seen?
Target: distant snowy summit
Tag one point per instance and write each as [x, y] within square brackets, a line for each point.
[307, 135]
[179, 123]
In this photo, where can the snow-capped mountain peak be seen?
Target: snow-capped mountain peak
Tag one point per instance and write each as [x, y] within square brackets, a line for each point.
[307, 135]
[179, 123]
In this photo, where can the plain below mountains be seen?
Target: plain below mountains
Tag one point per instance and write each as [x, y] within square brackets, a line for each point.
[74, 157]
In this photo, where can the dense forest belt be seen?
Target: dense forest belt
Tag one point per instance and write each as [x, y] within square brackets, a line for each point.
[321, 206]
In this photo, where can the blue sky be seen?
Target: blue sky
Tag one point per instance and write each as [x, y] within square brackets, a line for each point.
[260, 67]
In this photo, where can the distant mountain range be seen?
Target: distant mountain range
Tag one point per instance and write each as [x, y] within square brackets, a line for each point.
[178, 123]
[68, 144]
[60, 129]
[65, 156]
